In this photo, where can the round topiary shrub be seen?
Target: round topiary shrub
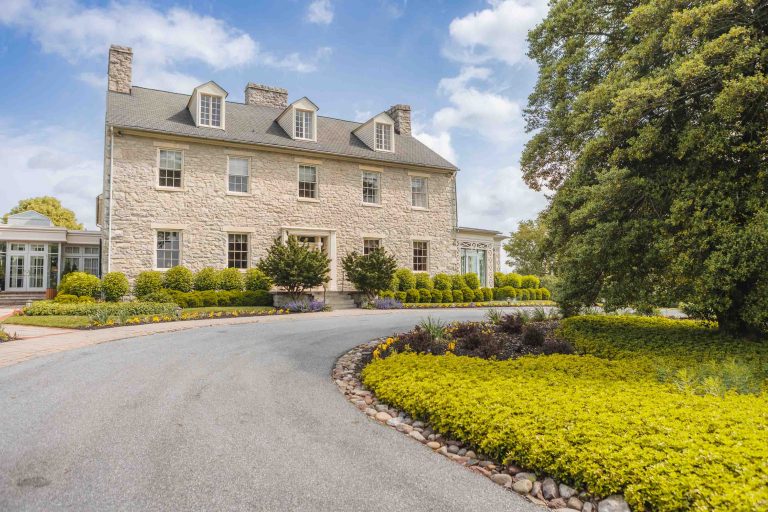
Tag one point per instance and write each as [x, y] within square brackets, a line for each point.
[230, 279]
[387, 294]
[256, 280]
[472, 281]
[437, 296]
[412, 296]
[545, 294]
[468, 294]
[458, 282]
[479, 296]
[530, 282]
[206, 279]
[147, 282]
[423, 281]
[401, 296]
[442, 282]
[447, 296]
[513, 280]
[81, 284]
[487, 294]
[458, 296]
[178, 278]
[499, 280]
[405, 279]
[425, 295]
[525, 294]
[394, 284]
[115, 286]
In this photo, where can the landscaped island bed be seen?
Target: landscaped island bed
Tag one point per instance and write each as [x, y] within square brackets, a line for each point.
[607, 421]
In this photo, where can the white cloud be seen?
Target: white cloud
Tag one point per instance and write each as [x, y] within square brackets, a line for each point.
[49, 160]
[162, 40]
[320, 12]
[362, 115]
[439, 142]
[393, 8]
[498, 32]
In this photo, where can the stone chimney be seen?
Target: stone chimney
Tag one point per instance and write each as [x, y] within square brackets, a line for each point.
[402, 116]
[119, 72]
[266, 96]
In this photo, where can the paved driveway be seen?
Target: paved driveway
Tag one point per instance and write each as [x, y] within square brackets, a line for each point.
[236, 417]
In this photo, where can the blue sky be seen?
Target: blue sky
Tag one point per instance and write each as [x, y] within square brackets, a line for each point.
[461, 65]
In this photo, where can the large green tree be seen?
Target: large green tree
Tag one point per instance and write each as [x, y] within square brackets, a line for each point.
[526, 249]
[651, 124]
[295, 266]
[50, 207]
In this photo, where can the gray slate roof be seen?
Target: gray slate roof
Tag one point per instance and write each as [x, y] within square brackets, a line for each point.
[166, 112]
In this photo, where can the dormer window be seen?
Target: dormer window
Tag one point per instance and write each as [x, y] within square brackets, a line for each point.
[304, 125]
[210, 110]
[383, 137]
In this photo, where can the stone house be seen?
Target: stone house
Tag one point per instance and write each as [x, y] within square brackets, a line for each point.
[196, 180]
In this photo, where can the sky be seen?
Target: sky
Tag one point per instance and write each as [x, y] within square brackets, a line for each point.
[461, 65]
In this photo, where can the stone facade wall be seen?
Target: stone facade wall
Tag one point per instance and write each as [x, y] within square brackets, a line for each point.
[119, 70]
[257, 94]
[204, 210]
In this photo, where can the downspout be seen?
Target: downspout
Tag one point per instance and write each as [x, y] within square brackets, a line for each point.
[109, 223]
[456, 223]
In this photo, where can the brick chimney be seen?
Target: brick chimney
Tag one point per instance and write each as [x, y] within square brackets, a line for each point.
[119, 72]
[266, 96]
[402, 116]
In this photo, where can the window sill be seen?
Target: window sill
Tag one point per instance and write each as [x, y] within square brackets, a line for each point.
[307, 200]
[372, 205]
[170, 189]
[240, 194]
[419, 209]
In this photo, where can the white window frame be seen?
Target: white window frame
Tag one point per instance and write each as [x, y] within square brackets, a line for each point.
[210, 124]
[413, 256]
[182, 179]
[372, 239]
[390, 129]
[155, 248]
[426, 193]
[312, 119]
[248, 180]
[315, 199]
[362, 187]
[247, 252]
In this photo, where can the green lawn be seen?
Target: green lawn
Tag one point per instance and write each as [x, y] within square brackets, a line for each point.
[607, 419]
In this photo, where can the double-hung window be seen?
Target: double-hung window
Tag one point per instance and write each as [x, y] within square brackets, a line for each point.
[170, 168]
[308, 182]
[237, 250]
[420, 256]
[238, 175]
[304, 125]
[419, 192]
[168, 249]
[370, 245]
[371, 187]
[210, 110]
[383, 137]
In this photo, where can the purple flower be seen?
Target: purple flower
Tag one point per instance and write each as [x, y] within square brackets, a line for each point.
[387, 304]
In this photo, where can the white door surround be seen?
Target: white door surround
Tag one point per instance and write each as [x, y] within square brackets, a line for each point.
[326, 241]
[26, 267]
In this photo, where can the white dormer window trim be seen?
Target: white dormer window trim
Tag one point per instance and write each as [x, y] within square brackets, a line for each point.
[384, 137]
[211, 110]
[305, 124]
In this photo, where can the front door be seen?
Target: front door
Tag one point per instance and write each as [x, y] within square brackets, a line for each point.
[26, 267]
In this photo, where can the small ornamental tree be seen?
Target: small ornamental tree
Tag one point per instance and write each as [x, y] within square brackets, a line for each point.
[295, 267]
[370, 273]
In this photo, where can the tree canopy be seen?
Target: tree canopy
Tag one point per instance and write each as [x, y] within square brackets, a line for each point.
[651, 125]
[526, 250]
[295, 266]
[50, 207]
[370, 273]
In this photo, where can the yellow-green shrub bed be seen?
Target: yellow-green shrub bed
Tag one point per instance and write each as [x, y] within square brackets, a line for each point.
[605, 425]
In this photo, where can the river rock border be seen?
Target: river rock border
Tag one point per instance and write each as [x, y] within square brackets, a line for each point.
[538, 489]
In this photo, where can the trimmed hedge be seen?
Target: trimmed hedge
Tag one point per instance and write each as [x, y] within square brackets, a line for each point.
[50, 307]
[210, 298]
[80, 284]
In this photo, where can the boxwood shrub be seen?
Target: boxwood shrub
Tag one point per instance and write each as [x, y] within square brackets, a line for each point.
[487, 294]
[114, 286]
[256, 280]
[80, 284]
[423, 281]
[147, 282]
[50, 307]
[405, 279]
[178, 278]
[401, 296]
[206, 279]
[231, 279]
[212, 298]
[412, 296]
[443, 282]
[472, 281]
[425, 295]
[458, 296]
[437, 296]
[458, 282]
[447, 296]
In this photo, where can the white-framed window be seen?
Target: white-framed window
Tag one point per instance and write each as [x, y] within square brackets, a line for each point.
[81, 259]
[370, 245]
[238, 175]
[305, 128]
[237, 250]
[420, 256]
[371, 187]
[168, 249]
[210, 110]
[170, 165]
[307, 181]
[419, 192]
[384, 137]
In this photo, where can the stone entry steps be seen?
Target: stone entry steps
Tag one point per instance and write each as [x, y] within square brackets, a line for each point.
[19, 298]
[337, 300]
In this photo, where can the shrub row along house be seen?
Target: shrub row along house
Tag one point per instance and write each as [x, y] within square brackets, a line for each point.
[196, 180]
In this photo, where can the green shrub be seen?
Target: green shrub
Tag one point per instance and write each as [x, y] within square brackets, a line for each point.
[394, 283]
[447, 296]
[425, 295]
[401, 296]
[412, 296]
[472, 281]
[65, 298]
[458, 282]
[487, 294]
[423, 281]
[207, 279]
[479, 296]
[615, 431]
[513, 280]
[147, 282]
[525, 294]
[369, 273]
[178, 278]
[443, 282]
[458, 296]
[504, 293]
[468, 294]
[231, 279]
[437, 296]
[529, 282]
[387, 294]
[49, 307]
[545, 294]
[115, 286]
[80, 284]
[222, 298]
[256, 280]
[499, 280]
[405, 279]
[252, 298]
[295, 266]
[161, 296]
